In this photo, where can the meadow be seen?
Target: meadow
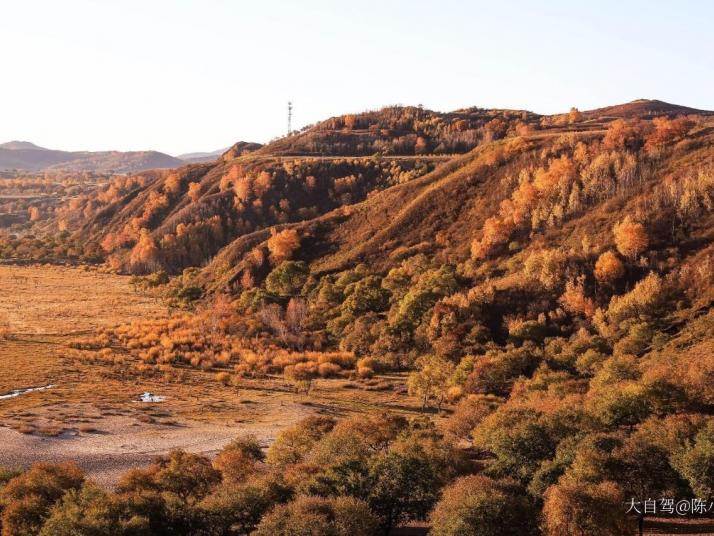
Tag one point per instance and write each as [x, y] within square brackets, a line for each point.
[94, 416]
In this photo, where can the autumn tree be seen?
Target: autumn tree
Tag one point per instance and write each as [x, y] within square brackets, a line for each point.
[574, 115]
[144, 256]
[237, 460]
[547, 267]
[236, 508]
[194, 191]
[631, 237]
[575, 301]
[283, 244]
[609, 268]
[172, 184]
[585, 509]
[468, 414]
[624, 134]
[262, 183]
[296, 315]
[421, 146]
[431, 380]
[339, 516]
[91, 510]
[301, 375]
[181, 475]
[25, 501]
[34, 213]
[495, 232]
[272, 316]
[667, 130]
[293, 444]
[696, 462]
[243, 188]
[480, 506]
[5, 328]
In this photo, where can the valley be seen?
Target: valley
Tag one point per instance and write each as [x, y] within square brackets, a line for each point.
[77, 411]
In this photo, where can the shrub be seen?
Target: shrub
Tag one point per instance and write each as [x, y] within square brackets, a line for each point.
[327, 370]
[224, 378]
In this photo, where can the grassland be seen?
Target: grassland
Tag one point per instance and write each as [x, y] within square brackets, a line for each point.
[94, 416]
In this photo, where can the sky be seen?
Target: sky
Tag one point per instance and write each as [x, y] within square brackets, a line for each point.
[198, 75]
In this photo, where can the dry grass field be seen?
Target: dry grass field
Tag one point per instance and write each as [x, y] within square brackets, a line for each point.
[59, 300]
[92, 415]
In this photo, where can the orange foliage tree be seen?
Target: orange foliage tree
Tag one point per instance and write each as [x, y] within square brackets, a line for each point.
[282, 245]
[623, 134]
[194, 191]
[172, 184]
[608, 268]
[666, 131]
[630, 237]
[585, 509]
[574, 115]
[575, 301]
[145, 254]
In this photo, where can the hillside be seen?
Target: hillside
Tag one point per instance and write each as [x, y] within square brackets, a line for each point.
[26, 156]
[645, 108]
[398, 199]
[15, 145]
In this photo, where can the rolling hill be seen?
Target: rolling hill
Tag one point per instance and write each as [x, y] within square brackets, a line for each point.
[543, 285]
[383, 186]
[27, 156]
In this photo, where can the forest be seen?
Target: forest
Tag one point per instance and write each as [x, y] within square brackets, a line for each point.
[544, 284]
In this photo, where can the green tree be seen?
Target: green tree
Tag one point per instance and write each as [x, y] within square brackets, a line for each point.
[431, 380]
[307, 516]
[479, 506]
[520, 439]
[364, 296]
[403, 487]
[288, 278]
[696, 462]
[234, 509]
[293, 444]
[26, 499]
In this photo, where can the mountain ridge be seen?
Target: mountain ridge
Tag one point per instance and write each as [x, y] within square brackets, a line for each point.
[26, 156]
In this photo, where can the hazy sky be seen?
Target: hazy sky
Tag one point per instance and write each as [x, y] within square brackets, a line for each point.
[180, 76]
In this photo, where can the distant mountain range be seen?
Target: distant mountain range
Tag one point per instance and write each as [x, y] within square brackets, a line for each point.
[195, 158]
[26, 156]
